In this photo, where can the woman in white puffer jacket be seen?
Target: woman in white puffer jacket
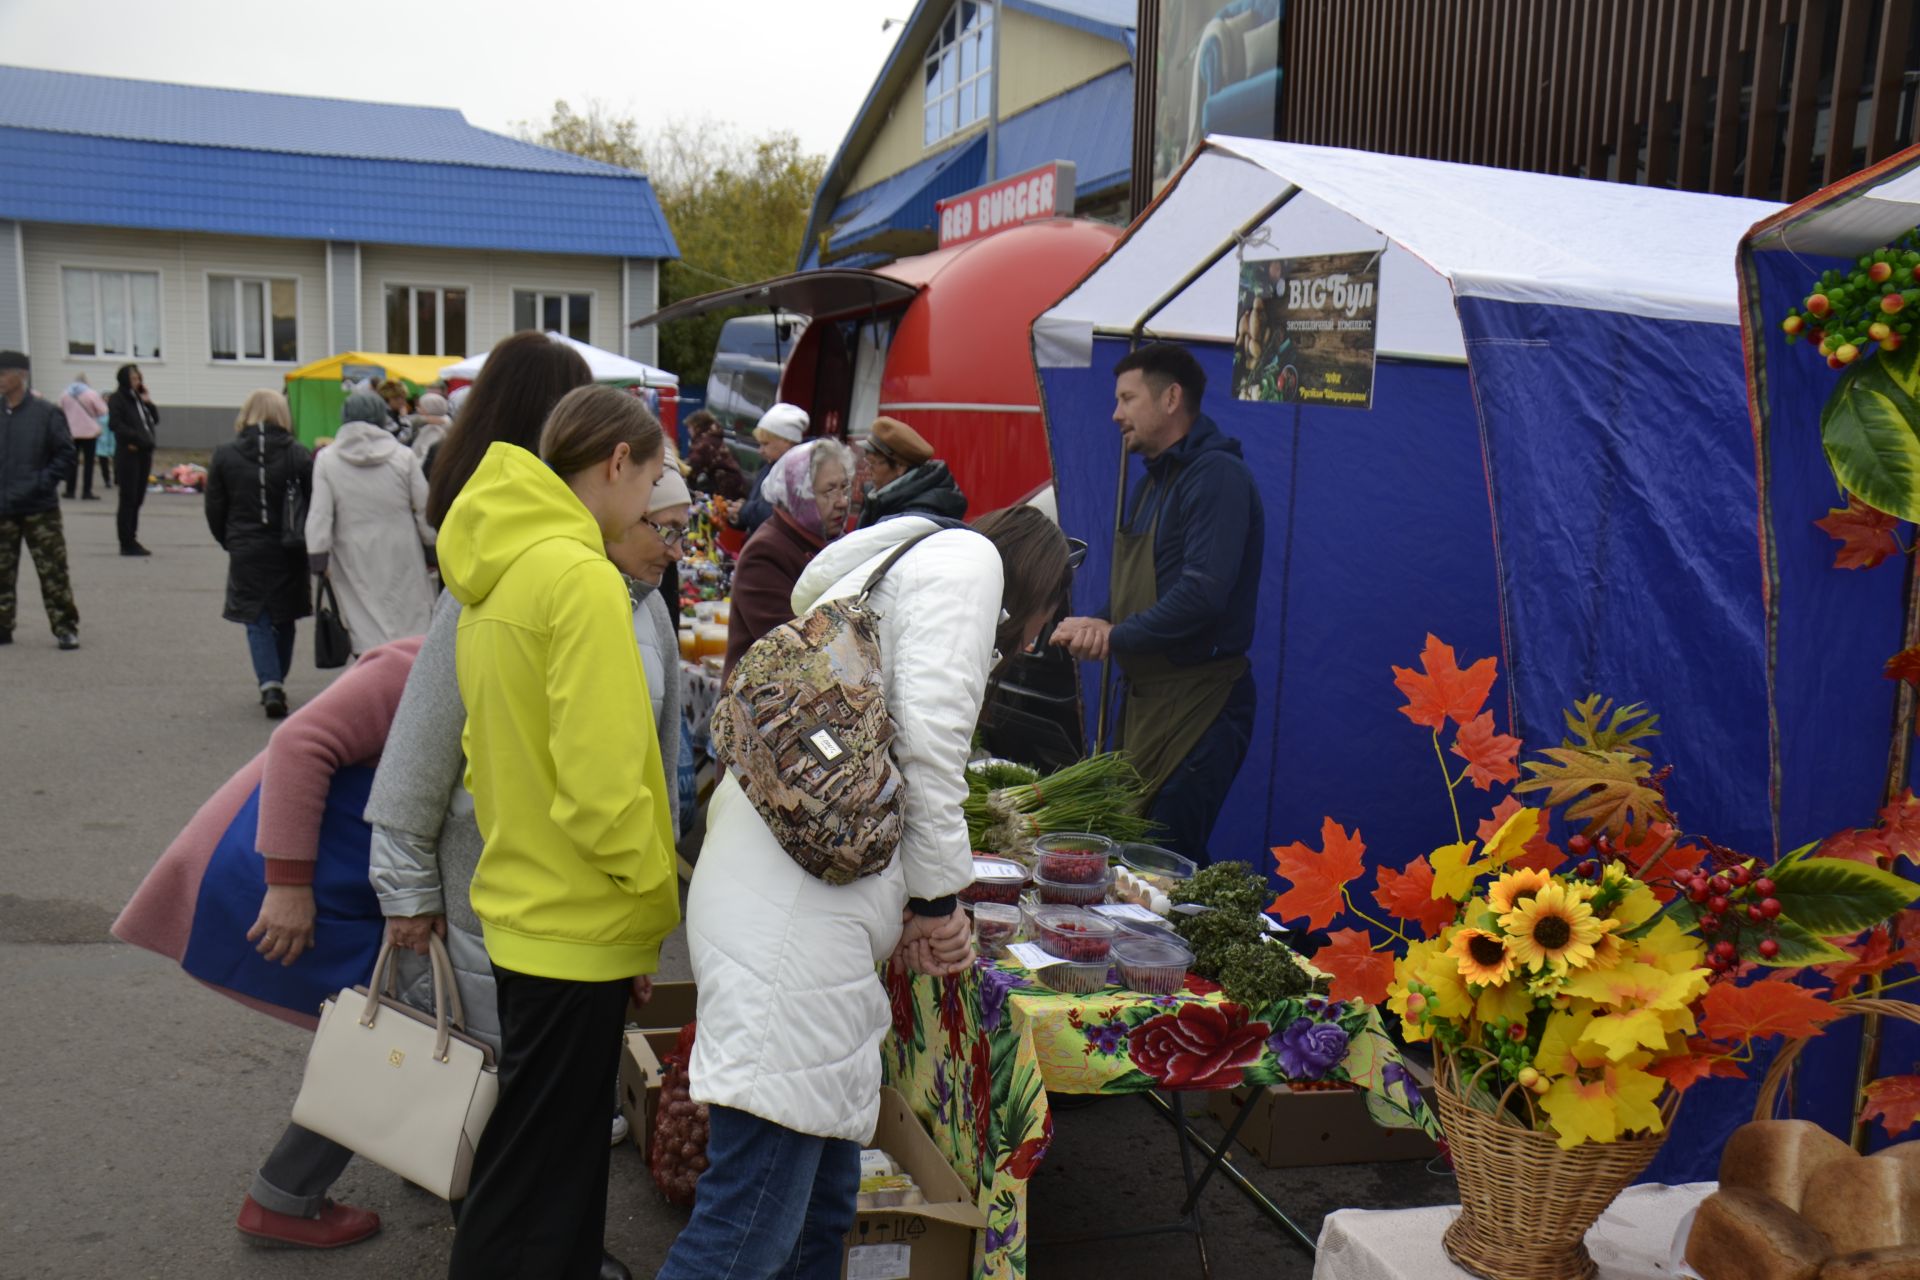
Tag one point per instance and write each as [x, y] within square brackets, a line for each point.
[791, 1008]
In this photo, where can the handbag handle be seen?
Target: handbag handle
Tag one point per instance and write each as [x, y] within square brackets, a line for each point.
[440, 971]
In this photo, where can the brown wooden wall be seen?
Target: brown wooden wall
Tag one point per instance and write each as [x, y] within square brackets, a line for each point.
[1738, 97]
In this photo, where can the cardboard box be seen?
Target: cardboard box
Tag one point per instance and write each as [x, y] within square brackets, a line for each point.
[931, 1241]
[1289, 1129]
[651, 1035]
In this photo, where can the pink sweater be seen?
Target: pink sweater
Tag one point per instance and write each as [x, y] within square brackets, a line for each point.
[345, 725]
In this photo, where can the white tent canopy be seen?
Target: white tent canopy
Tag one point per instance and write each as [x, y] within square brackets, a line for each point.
[1879, 213]
[606, 366]
[1444, 230]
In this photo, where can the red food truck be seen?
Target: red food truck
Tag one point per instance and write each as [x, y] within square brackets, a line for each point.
[939, 341]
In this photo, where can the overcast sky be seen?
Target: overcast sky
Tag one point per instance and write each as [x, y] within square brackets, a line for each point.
[800, 65]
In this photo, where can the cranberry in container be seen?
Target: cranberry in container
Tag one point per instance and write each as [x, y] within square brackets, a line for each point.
[1074, 979]
[996, 924]
[1072, 857]
[1075, 935]
[1072, 893]
[995, 880]
[1149, 965]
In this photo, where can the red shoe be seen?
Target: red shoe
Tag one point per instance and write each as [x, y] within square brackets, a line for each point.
[337, 1225]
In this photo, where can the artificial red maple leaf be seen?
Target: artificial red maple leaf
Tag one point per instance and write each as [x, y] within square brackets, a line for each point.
[1771, 1007]
[1408, 895]
[1444, 690]
[1900, 827]
[1860, 844]
[1704, 1063]
[1895, 1102]
[1904, 665]
[1359, 972]
[1653, 859]
[1489, 755]
[1540, 853]
[1318, 875]
[1876, 955]
[1865, 534]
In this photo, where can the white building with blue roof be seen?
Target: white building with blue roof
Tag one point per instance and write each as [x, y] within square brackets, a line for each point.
[1064, 87]
[219, 238]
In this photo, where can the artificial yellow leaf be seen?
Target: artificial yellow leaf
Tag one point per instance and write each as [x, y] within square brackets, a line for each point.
[1634, 910]
[1453, 870]
[1510, 841]
[1667, 946]
[1563, 1047]
[1627, 1032]
[1621, 1101]
[1509, 1000]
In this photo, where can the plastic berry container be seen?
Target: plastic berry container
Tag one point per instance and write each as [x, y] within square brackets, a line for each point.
[1150, 932]
[1074, 979]
[1156, 864]
[1074, 935]
[1072, 857]
[995, 924]
[997, 880]
[1072, 893]
[1155, 967]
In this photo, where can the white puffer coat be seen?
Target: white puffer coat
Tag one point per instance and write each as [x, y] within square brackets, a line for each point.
[791, 1007]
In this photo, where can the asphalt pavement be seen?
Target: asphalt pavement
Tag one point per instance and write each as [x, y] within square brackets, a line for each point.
[135, 1103]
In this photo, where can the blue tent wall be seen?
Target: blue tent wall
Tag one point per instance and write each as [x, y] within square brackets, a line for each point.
[1390, 539]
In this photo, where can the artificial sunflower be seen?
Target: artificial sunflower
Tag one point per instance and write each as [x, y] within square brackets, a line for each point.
[1555, 929]
[1512, 886]
[1483, 957]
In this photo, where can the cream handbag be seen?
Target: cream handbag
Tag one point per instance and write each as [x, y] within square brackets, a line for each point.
[409, 1092]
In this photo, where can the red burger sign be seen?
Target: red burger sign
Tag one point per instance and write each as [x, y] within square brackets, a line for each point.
[1044, 192]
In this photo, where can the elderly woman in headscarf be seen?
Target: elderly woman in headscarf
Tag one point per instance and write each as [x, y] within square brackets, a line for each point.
[431, 422]
[810, 489]
[367, 527]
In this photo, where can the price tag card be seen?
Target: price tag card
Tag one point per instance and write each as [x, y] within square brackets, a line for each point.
[1033, 955]
[880, 1262]
[1128, 911]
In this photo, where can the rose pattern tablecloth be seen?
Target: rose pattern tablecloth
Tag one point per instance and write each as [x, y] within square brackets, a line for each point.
[976, 1056]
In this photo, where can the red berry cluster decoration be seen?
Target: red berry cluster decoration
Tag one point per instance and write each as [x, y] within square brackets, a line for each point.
[1847, 310]
[1733, 902]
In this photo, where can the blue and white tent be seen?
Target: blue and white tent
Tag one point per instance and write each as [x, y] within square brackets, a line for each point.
[1557, 469]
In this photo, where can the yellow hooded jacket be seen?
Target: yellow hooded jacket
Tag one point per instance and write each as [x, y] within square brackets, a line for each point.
[577, 876]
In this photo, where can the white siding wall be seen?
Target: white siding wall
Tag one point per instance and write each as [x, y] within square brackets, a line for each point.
[490, 280]
[185, 374]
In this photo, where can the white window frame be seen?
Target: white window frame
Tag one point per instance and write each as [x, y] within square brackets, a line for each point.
[98, 269]
[439, 316]
[240, 276]
[541, 292]
[932, 134]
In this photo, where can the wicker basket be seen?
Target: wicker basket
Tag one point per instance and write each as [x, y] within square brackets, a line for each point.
[1526, 1204]
[1767, 1106]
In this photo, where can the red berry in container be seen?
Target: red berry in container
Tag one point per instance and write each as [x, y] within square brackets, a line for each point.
[1072, 857]
[1073, 934]
[995, 880]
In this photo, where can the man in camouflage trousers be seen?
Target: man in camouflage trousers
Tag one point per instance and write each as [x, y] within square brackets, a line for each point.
[36, 457]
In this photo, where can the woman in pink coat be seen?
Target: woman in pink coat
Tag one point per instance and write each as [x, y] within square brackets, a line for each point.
[86, 417]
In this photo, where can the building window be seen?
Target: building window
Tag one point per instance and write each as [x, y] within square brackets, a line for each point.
[425, 321]
[112, 313]
[568, 313]
[960, 71]
[250, 318]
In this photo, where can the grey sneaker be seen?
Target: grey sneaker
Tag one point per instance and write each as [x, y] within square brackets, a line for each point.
[68, 640]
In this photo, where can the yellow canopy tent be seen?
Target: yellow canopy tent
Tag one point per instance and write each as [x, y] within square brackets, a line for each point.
[316, 392]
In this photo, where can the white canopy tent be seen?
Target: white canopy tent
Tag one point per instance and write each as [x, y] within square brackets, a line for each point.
[606, 366]
[1444, 230]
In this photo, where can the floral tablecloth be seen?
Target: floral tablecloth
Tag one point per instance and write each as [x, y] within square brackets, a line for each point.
[976, 1056]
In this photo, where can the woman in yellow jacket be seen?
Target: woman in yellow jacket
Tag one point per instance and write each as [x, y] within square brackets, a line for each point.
[576, 884]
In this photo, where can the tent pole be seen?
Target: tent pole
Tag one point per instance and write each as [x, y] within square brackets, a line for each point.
[1899, 759]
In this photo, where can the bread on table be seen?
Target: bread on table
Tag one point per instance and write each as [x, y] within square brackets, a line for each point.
[1779, 1158]
[1865, 1204]
[1899, 1263]
[1908, 1152]
[1739, 1234]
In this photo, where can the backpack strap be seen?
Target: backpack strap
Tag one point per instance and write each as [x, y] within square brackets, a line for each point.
[894, 559]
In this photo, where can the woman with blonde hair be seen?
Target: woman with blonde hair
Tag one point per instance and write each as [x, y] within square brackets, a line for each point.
[249, 483]
[576, 884]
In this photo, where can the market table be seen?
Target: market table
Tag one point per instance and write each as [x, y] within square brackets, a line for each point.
[977, 1055]
[1632, 1240]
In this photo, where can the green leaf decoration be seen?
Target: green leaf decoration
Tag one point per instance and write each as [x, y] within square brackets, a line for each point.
[1799, 947]
[1595, 725]
[1870, 429]
[1605, 789]
[1902, 367]
[1836, 898]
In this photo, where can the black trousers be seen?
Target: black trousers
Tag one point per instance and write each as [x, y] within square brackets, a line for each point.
[85, 452]
[1189, 803]
[537, 1202]
[130, 466]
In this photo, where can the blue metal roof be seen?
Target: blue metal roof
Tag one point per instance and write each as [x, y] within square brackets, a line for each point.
[1110, 19]
[99, 151]
[55, 177]
[1090, 124]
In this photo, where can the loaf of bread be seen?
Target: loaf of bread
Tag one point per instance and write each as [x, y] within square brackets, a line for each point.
[1904, 1151]
[1779, 1158]
[1742, 1235]
[1865, 1204]
[1900, 1263]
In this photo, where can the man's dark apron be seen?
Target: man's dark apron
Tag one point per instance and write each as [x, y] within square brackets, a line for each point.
[1168, 708]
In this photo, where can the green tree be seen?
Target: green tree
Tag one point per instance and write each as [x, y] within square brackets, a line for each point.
[738, 207]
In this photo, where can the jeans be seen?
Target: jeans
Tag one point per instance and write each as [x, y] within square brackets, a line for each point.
[295, 1178]
[773, 1204]
[271, 644]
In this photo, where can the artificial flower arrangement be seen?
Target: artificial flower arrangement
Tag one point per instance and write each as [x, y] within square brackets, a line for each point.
[1577, 988]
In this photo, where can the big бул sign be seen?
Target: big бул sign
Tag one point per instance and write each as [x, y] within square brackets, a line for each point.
[1045, 192]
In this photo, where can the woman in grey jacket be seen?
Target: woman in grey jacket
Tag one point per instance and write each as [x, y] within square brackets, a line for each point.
[426, 843]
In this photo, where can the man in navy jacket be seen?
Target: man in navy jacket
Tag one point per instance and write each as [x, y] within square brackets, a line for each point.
[1183, 596]
[36, 458]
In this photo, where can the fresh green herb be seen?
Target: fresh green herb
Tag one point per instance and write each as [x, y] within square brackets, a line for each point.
[1255, 974]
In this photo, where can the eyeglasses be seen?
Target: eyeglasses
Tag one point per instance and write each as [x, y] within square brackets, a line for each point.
[671, 534]
[842, 490]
